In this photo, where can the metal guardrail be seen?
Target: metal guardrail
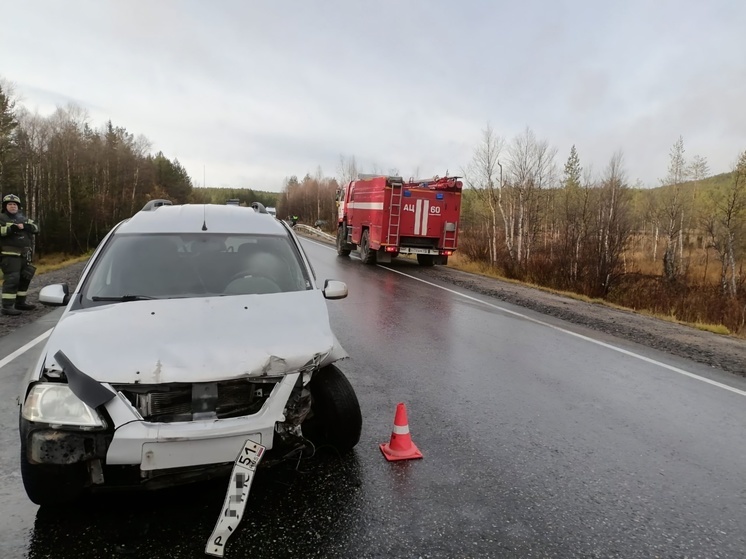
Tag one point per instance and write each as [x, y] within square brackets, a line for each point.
[308, 230]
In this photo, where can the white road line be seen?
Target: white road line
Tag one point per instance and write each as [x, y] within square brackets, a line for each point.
[570, 332]
[23, 349]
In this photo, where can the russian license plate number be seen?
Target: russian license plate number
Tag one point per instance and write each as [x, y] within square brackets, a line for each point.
[242, 475]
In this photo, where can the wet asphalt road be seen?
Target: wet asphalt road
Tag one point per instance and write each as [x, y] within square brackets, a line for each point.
[536, 443]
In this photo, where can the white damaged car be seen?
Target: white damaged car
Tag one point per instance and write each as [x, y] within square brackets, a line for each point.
[193, 329]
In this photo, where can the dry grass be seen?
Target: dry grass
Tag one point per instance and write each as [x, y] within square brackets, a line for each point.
[714, 328]
[461, 262]
[698, 264]
[50, 262]
[465, 265]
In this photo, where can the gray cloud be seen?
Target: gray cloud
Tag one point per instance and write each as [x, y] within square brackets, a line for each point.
[255, 92]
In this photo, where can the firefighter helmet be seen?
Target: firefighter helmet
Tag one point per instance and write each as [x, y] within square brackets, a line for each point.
[11, 198]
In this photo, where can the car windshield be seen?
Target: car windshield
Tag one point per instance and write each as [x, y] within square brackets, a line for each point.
[160, 266]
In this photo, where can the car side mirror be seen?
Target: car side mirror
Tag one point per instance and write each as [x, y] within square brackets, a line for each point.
[57, 294]
[334, 289]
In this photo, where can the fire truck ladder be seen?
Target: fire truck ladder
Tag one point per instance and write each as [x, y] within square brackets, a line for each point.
[392, 237]
[449, 235]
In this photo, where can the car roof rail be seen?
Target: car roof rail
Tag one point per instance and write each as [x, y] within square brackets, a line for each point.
[259, 208]
[157, 203]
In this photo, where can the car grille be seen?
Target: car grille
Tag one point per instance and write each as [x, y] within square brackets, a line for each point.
[187, 402]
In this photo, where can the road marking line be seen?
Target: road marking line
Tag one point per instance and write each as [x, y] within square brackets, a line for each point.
[571, 333]
[23, 349]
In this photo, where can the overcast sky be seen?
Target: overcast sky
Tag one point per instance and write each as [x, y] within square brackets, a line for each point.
[252, 92]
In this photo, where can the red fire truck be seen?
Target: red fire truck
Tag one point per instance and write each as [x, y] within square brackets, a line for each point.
[383, 216]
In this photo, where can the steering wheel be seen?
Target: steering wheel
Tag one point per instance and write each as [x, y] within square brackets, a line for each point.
[265, 284]
[238, 275]
[247, 273]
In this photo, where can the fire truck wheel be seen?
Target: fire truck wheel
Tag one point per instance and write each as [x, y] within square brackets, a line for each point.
[366, 255]
[425, 259]
[336, 418]
[341, 241]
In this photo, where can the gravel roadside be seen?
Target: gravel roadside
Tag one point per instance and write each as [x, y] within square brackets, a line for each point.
[723, 352]
[70, 274]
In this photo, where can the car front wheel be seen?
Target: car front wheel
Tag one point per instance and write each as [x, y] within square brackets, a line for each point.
[49, 484]
[336, 418]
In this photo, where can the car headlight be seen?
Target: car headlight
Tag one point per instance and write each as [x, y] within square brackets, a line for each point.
[56, 404]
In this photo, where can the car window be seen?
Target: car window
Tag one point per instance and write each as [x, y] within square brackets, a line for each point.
[194, 265]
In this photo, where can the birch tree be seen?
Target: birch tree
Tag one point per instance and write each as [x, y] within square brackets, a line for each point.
[673, 210]
[613, 226]
[347, 170]
[484, 176]
[531, 167]
[725, 223]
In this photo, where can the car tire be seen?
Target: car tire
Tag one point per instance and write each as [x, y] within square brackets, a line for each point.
[342, 249]
[336, 419]
[366, 255]
[50, 484]
[425, 259]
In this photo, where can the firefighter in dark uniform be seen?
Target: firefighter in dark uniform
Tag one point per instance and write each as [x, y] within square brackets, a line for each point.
[16, 239]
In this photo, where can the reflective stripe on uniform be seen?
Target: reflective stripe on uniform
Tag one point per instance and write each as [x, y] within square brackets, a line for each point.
[21, 293]
[9, 295]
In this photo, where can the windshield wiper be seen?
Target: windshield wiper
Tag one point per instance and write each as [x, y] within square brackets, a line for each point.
[123, 298]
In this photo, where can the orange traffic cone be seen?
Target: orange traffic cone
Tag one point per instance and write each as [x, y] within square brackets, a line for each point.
[400, 447]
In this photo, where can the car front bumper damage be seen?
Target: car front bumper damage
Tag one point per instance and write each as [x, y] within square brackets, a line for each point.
[157, 446]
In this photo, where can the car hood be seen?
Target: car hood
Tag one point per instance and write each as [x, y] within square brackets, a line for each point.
[197, 340]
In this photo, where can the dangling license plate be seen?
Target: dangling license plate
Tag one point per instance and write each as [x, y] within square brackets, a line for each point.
[235, 499]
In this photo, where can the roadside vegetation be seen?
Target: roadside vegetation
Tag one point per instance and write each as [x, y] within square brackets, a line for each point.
[676, 251]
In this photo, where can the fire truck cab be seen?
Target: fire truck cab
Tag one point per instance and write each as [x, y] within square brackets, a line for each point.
[384, 216]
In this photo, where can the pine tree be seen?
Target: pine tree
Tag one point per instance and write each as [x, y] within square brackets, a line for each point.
[573, 170]
[8, 124]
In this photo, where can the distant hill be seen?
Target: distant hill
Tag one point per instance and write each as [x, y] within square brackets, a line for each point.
[710, 183]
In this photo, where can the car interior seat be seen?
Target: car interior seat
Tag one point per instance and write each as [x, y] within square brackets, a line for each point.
[152, 266]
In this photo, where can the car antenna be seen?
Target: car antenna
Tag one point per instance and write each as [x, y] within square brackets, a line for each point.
[204, 217]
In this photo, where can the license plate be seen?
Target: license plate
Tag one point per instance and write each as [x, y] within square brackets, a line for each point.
[242, 475]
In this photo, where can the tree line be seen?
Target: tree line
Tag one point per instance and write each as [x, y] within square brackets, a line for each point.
[577, 229]
[77, 181]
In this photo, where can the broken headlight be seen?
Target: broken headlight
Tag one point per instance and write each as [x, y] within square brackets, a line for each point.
[56, 404]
